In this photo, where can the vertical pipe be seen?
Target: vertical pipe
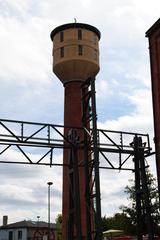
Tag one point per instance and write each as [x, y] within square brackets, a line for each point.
[87, 157]
[49, 210]
[96, 162]
[137, 188]
[147, 203]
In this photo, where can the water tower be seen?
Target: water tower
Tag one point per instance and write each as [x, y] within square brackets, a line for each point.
[75, 59]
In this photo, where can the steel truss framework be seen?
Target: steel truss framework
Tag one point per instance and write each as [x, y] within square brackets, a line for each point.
[103, 149]
[51, 137]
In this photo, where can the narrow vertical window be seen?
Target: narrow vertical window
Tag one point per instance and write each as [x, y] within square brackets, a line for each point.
[79, 34]
[94, 38]
[61, 36]
[19, 235]
[95, 54]
[10, 235]
[62, 52]
[80, 50]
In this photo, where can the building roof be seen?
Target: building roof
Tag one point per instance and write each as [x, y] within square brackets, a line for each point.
[153, 28]
[27, 224]
[75, 25]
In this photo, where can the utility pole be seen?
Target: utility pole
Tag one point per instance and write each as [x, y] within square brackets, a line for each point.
[49, 209]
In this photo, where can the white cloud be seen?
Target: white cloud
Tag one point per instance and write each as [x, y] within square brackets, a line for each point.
[140, 121]
[103, 89]
[16, 7]
[22, 51]
[112, 190]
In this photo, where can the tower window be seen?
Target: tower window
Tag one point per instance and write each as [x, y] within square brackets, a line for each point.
[94, 38]
[80, 50]
[95, 54]
[62, 52]
[61, 36]
[79, 34]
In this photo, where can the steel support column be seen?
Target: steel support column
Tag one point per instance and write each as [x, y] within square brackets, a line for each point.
[138, 190]
[147, 200]
[142, 191]
[92, 159]
[87, 160]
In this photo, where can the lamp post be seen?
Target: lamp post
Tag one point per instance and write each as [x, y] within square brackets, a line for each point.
[49, 218]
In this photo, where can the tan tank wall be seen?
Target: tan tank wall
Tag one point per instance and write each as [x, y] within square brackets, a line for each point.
[73, 66]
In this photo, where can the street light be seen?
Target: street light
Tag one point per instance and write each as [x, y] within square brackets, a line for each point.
[49, 217]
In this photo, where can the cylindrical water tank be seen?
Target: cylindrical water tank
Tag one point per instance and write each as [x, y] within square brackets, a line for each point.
[75, 51]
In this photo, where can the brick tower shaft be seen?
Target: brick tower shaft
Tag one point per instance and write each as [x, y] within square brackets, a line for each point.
[73, 116]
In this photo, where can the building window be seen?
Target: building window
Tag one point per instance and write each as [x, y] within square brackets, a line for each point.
[80, 50]
[19, 235]
[61, 36]
[79, 34]
[62, 52]
[95, 54]
[94, 38]
[10, 235]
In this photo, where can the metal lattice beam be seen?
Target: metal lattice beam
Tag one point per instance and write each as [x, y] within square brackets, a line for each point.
[21, 134]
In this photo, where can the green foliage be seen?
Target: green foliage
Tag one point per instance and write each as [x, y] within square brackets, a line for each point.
[59, 218]
[119, 221]
[126, 220]
[130, 210]
[58, 221]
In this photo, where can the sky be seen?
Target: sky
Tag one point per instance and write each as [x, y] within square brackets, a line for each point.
[31, 92]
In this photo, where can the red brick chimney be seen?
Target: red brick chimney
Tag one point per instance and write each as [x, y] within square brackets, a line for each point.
[5, 220]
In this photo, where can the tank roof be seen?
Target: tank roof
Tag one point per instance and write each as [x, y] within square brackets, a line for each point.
[75, 25]
[153, 28]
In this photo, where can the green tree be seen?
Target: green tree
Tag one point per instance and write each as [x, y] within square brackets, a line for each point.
[130, 210]
[58, 221]
[58, 218]
[119, 221]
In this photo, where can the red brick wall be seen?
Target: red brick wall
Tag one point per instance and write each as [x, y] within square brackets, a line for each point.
[154, 48]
